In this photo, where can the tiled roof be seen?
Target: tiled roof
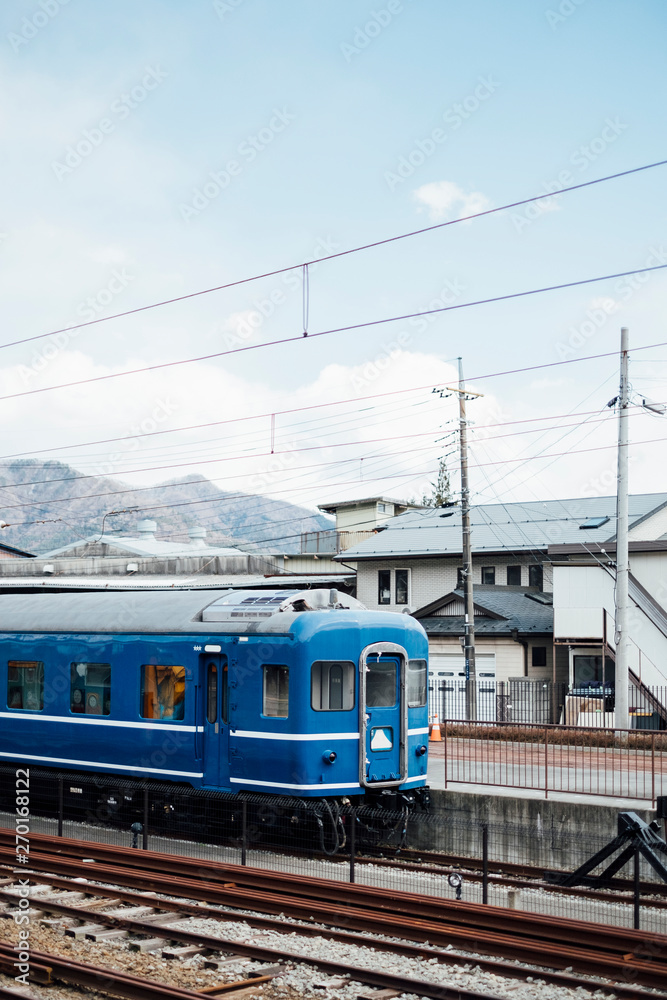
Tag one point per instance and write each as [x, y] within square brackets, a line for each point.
[500, 527]
[510, 608]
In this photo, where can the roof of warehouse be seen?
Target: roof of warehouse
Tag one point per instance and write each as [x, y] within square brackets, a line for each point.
[99, 582]
[509, 608]
[501, 527]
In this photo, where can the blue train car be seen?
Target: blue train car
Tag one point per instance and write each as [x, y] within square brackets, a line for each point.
[284, 693]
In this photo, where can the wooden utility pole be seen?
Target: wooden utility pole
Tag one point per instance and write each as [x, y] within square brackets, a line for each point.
[622, 639]
[469, 636]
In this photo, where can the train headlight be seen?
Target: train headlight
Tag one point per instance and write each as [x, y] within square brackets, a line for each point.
[421, 750]
[330, 756]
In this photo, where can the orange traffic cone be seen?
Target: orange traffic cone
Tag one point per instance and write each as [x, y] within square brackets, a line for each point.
[435, 736]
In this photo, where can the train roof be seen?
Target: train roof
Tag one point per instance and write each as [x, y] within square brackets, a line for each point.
[213, 611]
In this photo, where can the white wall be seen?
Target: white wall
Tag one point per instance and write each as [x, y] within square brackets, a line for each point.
[582, 596]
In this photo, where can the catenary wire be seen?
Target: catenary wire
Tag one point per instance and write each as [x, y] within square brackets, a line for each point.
[340, 253]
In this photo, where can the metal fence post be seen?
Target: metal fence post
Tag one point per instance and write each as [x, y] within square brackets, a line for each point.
[636, 890]
[145, 823]
[244, 831]
[485, 863]
[353, 841]
[61, 805]
[546, 762]
[444, 746]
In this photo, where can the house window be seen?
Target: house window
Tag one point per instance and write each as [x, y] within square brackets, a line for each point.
[25, 685]
[384, 586]
[382, 508]
[162, 692]
[416, 683]
[275, 700]
[402, 579]
[539, 656]
[488, 576]
[513, 576]
[90, 688]
[535, 576]
[460, 578]
[332, 686]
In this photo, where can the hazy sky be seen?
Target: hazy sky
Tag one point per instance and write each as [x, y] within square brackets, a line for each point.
[157, 148]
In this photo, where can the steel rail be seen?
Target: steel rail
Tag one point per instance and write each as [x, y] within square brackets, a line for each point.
[632, 957]
[437, 863]
[424, 860]
[249, 880]
[134, 988]
[181, 907]
[102, 978]
[152, 927]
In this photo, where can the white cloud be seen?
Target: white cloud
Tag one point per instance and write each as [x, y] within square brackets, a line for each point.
[445, 200]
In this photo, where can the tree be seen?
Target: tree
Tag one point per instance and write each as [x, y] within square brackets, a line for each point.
[442, 490]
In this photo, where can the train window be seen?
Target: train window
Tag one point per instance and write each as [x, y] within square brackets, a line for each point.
[212, 693]
[276, 691]
[25, 685]
[90, 688]
[381, 684]
[416, 683]
[162, 692]
[224, 713]
[332, 686]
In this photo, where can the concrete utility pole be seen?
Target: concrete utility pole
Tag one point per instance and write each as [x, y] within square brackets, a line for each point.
[622, 639]
[469, 647]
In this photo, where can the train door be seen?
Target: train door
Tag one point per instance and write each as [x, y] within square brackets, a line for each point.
[384, 714]
[215, 687]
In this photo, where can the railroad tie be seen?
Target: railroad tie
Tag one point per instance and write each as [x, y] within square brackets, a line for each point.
[186, 951]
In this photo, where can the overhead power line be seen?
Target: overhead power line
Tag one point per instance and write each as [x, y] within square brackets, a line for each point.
[361, 326]
[333, 256]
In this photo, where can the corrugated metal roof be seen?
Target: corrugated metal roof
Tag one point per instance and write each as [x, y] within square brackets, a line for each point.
[146, 545]
[204, 582]
[517, 608]
[500, 527]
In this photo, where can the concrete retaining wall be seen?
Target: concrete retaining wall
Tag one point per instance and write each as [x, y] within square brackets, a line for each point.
[539, 832]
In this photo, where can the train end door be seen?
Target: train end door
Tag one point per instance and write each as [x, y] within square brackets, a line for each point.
[215, 686]
[383, 708]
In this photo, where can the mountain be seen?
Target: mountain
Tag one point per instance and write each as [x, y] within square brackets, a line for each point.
[49, 504]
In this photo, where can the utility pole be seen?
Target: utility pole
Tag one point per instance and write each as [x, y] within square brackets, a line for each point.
[622, 639]
[469, 637]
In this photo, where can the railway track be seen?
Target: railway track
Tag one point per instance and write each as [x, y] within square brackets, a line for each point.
[570, 949]
[172, 927]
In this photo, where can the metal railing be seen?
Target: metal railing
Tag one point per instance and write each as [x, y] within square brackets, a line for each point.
[526, 700]
[621, 764]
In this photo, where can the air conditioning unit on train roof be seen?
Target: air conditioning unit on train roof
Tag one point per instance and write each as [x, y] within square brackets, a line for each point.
[255, 605]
